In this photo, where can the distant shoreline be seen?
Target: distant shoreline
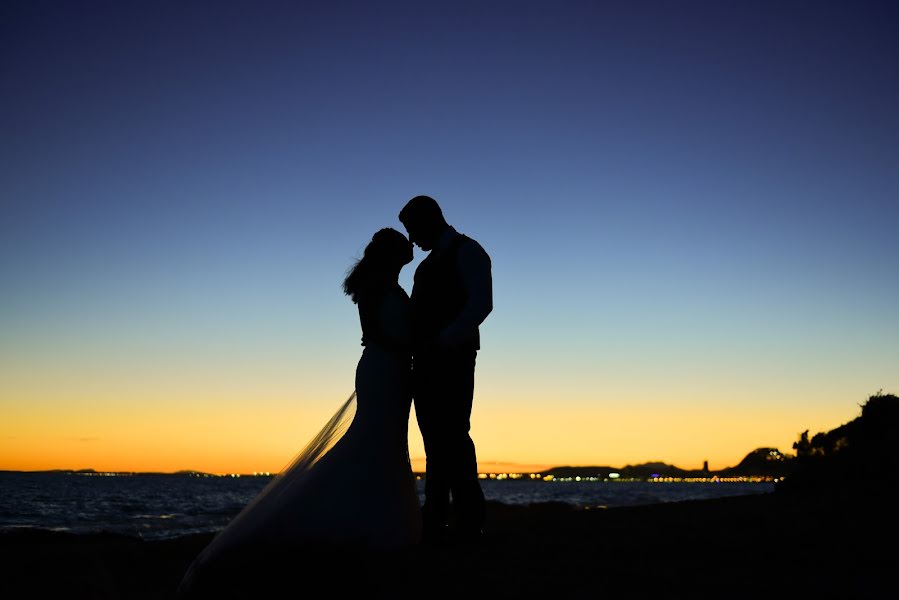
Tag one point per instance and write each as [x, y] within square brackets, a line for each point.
[638, 473]
[761, 462]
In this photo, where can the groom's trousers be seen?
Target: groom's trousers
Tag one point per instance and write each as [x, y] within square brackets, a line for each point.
[443, 389]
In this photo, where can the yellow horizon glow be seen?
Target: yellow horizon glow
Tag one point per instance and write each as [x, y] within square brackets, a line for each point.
[160, 419]
[220, 435]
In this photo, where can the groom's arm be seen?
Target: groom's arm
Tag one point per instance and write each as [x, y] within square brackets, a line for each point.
[475, 268]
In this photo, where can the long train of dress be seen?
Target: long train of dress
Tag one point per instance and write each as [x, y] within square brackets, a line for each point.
[352, 486]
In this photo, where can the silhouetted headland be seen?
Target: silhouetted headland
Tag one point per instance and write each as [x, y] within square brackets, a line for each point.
[761, 462]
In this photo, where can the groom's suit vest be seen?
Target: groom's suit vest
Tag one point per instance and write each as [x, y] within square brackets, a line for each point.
[438, 295]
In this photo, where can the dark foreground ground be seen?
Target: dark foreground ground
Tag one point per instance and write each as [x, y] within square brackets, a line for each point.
[767, 546]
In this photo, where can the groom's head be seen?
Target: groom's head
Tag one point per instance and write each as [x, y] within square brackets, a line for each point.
[423, 221]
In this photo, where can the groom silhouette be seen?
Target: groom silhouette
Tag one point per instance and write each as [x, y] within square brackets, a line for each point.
[451, 296]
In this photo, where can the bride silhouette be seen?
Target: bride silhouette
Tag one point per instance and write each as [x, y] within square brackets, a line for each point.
[352, 486]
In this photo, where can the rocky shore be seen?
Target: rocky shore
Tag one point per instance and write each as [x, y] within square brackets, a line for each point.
[771, 546]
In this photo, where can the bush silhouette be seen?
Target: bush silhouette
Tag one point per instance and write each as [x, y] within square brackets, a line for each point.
[862, 452]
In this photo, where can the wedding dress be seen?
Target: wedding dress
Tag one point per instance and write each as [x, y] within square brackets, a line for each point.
[352, 486]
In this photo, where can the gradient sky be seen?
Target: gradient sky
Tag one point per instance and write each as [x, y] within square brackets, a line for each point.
[691, 208]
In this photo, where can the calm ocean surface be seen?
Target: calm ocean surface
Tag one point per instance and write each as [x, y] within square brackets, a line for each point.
[164, 506]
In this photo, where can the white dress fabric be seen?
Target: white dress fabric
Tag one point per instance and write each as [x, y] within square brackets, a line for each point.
[352, 486]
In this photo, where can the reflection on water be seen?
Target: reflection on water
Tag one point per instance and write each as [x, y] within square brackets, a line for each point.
[161, 506]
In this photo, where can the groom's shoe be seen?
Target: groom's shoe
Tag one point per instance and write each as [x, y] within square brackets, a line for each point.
[435, 536]
[469, 536]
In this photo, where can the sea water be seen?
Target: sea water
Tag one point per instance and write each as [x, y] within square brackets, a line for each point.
[158, 506]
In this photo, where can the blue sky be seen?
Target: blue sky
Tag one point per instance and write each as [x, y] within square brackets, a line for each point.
[686, 203]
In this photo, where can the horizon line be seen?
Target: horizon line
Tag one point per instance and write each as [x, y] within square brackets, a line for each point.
[527, 469]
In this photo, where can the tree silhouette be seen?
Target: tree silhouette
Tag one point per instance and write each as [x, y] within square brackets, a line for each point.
[862, 452]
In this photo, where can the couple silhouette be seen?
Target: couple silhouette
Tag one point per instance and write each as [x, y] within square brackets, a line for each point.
[352, 486]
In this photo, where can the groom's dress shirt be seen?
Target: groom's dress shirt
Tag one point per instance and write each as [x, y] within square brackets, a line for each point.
[475, 271]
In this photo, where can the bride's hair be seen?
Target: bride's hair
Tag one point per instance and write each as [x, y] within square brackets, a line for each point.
[387, 250]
